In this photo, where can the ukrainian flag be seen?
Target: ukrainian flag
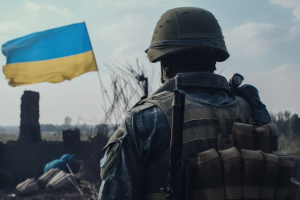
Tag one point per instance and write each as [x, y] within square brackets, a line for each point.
[50, 56]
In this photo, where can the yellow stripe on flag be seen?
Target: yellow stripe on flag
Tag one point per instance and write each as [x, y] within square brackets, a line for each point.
[52, 71]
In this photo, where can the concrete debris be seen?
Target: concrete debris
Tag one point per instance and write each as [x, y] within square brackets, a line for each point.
[61, 180]
[43, 180]
[28, 187]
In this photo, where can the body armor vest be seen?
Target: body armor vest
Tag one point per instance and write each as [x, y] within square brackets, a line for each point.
[203, 123]
[228, 173]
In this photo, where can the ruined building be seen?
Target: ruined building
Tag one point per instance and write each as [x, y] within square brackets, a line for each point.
[30, 130]
[27, 157]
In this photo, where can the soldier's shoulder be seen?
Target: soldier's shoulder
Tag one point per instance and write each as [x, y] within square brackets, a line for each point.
[242, 101]
[155, 100]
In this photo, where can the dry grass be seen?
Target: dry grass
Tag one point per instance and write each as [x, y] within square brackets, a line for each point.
[8, 136]
[290, 145]
[84, 136]
[85, 185]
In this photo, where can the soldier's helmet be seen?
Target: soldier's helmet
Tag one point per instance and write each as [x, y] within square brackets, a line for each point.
[187, 28]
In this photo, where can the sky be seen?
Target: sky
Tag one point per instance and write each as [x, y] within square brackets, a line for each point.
[262, 37]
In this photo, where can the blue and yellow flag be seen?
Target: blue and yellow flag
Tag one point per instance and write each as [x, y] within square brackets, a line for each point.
[50, 56]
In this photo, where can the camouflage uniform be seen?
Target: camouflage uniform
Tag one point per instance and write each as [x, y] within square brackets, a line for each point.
[143, 138]
[140, 145]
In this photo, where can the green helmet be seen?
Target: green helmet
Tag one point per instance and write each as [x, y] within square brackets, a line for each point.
[187, 28]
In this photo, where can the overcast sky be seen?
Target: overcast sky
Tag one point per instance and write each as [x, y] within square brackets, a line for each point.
[263, 38]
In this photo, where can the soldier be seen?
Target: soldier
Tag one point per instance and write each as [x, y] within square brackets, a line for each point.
[186, 40]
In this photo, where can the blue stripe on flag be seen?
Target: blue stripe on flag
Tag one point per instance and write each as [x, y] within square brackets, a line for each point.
[54, 43]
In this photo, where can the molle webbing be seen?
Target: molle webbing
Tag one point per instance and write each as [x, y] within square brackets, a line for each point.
[233, 175]
[202, 122]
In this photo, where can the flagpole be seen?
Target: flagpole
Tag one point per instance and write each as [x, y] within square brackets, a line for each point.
[95, 61]
[92, 49]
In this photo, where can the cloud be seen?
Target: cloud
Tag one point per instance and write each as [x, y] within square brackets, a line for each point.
[63, 12]
[113, 30]
[286, 3]
[294, 4]
[137, 4]
[32, 6]
[278, 87]
[127, 37]
[296, 13]
[252, 39]
[121, 51]
[6, 26]
[294, 32]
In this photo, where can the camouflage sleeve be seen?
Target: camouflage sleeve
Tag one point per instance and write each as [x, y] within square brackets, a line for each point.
[138, 143]
[121, 169]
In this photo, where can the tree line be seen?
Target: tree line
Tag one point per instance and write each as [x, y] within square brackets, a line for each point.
[287, 124]
[55, 128]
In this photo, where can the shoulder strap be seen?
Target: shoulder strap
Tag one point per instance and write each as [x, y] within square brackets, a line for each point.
[164, 101]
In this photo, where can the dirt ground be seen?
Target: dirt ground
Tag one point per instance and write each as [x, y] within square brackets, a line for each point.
[55, 195]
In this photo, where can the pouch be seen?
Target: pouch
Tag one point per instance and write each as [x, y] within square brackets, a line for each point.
[269, 176]
[286, 165]
[261, 137]
[209, 177]
[252, 170]
[242, 134]
[231, 159]
[273, 136]
[293, 189]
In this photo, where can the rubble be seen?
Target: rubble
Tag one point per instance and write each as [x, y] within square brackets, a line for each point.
[43, 180]
[28, 187]
[61, 180]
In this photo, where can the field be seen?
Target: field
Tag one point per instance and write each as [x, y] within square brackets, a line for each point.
[8, 136]
[290, 144]
[47, 136]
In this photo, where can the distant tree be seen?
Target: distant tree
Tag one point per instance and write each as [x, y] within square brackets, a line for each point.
[283, 122]
[49, 127]
[295, 124]
[273, 117]
[287, 115]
